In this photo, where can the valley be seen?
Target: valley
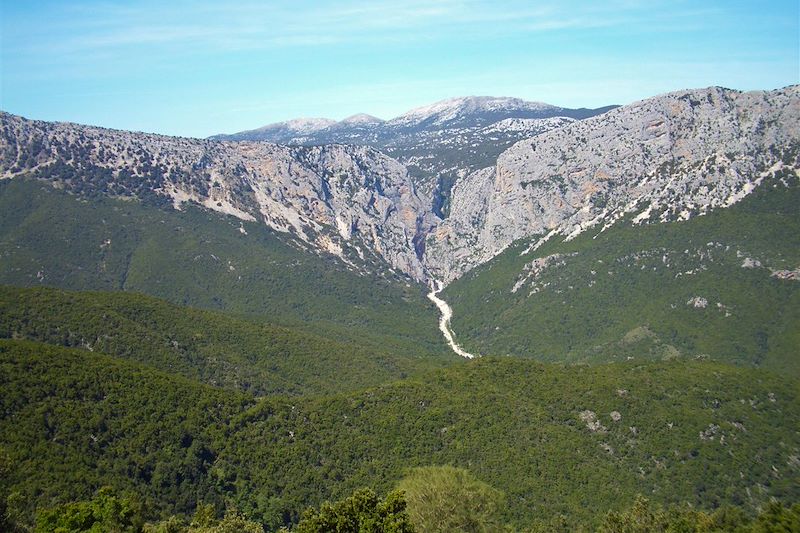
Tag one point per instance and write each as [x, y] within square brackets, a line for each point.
[549, 299]
[444, 323]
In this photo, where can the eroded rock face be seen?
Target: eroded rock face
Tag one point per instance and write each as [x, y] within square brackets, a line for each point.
[347, 200]
[666, 158]
[436, 142]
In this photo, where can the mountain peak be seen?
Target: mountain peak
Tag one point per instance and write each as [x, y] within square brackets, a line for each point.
[454, 111]
[478, 103]
[302, 125]
[362, 118]
[281, 131]
[458, 112]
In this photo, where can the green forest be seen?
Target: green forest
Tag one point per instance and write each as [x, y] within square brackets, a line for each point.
[145, 386]
[212, 347]
[202, 259]
[689, 434]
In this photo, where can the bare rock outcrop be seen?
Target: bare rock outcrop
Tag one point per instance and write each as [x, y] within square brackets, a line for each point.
[351, 201]
[666, 158]
[670, 157]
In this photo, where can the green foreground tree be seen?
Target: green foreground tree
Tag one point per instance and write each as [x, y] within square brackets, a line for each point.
[205, 521]
[105, 512]
[363, 512]
[445, 498]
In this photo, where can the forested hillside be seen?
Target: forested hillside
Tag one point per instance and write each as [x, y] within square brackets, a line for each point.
[684, 433]
[722, 286]
[204, 259]
[207, 346]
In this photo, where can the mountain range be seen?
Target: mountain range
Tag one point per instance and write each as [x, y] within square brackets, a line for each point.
[438, 143]
[468, 112]
[627, 276]
[666, 158]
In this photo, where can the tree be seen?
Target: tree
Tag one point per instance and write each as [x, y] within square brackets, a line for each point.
[640, 518]
[645, 517]
[205, 521]
[104, 512]
[363, 512]
[444, 498]
[10, 501]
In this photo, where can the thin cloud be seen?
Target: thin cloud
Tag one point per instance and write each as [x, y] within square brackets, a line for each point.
[211, 26]
[157, 62]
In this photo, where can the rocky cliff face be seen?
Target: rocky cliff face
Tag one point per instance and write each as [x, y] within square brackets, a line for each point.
[353, 202]
[436, 155]
[666, 158]
[437, 143]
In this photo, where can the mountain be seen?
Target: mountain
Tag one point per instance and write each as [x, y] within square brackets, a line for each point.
[722, 286]
[478, 111]
[667, 228]
[201, 258]
[442, 141]
[289, 129]
[454, 113]
[437, 158]
[675, 155]
[315, 207]
[352, 130]
[670, 157]
[470, 111]
[350, 201]
[361, 119]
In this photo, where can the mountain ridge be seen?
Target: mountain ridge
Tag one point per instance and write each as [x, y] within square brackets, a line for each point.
[306, 192]
[672, 156]
[461, 111]
[668, 157]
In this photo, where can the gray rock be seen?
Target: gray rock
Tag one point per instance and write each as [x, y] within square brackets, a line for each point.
[351, 201]
[665, 158]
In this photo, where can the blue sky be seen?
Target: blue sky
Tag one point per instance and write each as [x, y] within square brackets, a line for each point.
[204, 67]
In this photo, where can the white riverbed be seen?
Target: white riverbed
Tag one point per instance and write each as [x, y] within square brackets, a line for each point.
[444, 321]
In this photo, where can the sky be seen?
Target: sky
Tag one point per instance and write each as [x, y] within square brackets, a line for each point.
[220, 66]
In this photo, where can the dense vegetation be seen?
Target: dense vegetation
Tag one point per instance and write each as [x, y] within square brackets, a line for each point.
[652, 291]
[74, 421]
[293, 381]
[643, 517]
[208, 346]
[684, 433]
[365, 512]
[680, 431]
[200, 258]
